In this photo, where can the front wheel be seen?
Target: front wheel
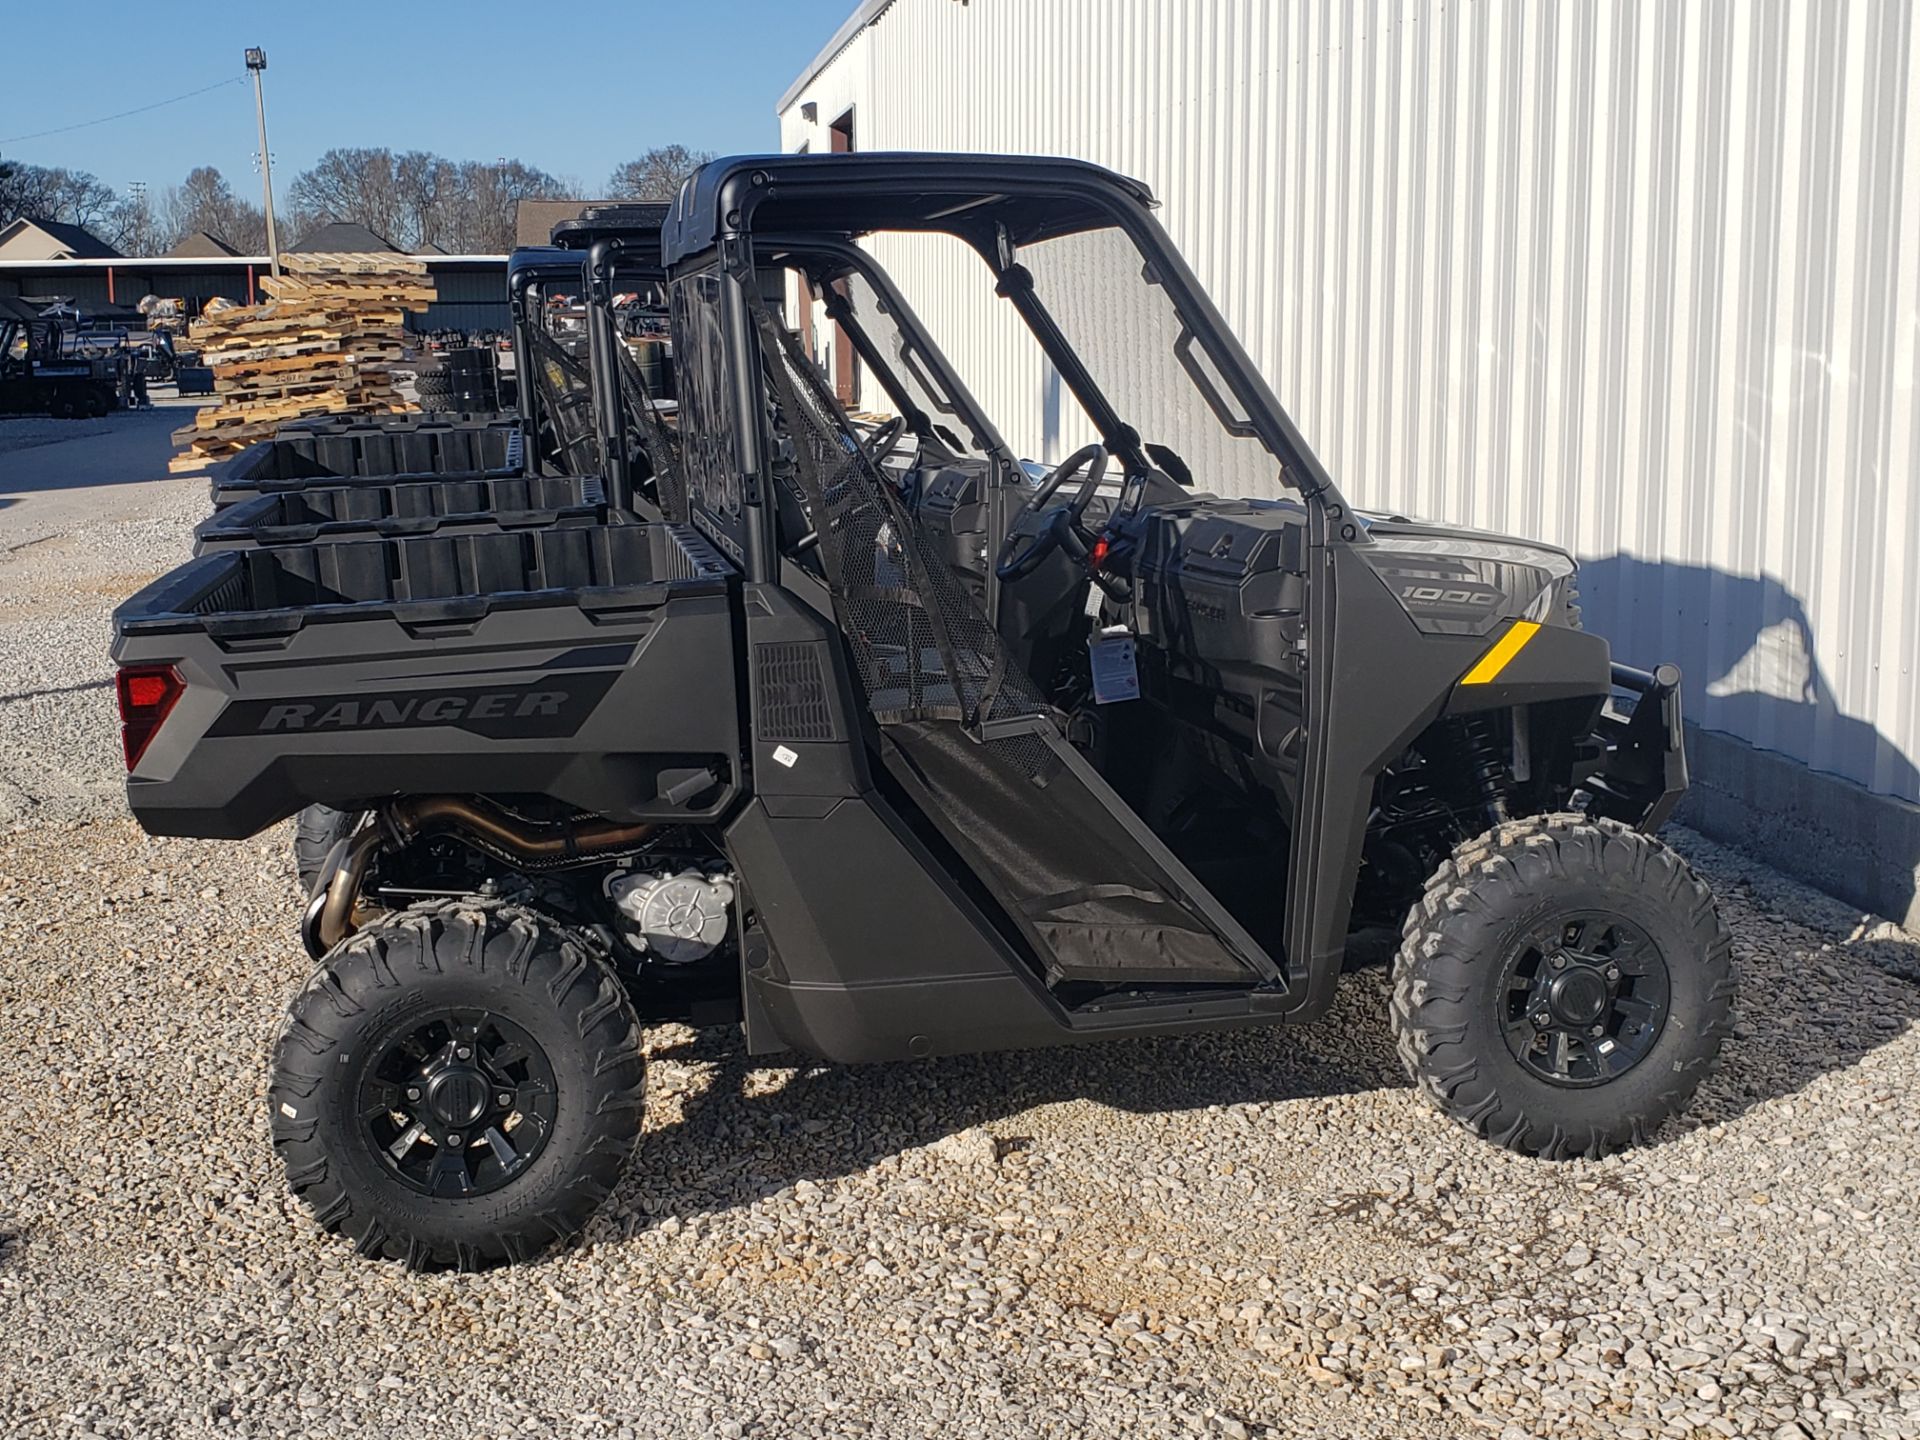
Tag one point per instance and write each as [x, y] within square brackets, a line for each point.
[1563, 986]
[458, 1085]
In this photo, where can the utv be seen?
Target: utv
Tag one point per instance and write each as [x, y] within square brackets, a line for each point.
[41, 374]
[619, 246]
[887, 766]
[555, 387]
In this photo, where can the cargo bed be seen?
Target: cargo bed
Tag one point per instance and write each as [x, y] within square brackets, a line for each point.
[369, 511]
[296, 458]
[406, 420]
[529, 663]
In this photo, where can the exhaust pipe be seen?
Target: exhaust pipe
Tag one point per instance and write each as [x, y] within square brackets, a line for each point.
[541, 844]
[332, 914]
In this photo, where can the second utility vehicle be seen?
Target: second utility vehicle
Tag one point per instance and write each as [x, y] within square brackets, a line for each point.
[42, 374]
[889, 763]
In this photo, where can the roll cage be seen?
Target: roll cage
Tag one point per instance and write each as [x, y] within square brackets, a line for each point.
[1287, 635]
[735, 215]
[597, 409]
[996, 204]
[558, 415]
[619, 247]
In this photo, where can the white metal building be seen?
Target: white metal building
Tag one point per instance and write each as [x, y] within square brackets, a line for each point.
[1639, 279]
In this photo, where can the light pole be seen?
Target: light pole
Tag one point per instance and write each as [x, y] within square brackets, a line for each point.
[256, 62]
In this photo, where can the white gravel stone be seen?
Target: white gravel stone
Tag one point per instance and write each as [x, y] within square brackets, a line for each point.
[972, 1146]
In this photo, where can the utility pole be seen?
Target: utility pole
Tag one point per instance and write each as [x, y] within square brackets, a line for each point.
[257, 62]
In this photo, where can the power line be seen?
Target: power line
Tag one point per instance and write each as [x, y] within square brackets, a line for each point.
[137, 110]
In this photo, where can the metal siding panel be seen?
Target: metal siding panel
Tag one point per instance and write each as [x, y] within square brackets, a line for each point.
[462, 315]
[1638, 279]
[1898, 712]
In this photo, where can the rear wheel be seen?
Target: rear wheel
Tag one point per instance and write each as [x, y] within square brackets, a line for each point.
[457, 1086]
[1563, 986]
[316, 830]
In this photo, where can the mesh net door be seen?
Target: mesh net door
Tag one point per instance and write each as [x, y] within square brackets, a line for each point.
[922, 646]
[646, 427]
[1100, 902]
[566, 395]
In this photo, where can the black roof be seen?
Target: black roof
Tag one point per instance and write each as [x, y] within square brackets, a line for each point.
[343, 237]
[632, 222]
[529, 265]
[202, 245]
[1033, 196]
[98, 310]
[20, 311]
[543, 260]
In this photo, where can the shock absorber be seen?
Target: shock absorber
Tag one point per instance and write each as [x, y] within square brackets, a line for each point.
[1487, 765]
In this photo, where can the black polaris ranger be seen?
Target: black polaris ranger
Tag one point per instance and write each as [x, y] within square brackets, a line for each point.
[798, 756]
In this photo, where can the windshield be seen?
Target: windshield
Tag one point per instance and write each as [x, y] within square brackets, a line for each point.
[1149, 365]
[1119, 322]
[950, 289]
[904, 368]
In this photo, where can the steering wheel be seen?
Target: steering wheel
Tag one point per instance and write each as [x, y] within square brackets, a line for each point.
[885, 440]
[1020, 555]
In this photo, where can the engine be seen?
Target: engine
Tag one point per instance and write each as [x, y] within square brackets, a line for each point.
[675, 917]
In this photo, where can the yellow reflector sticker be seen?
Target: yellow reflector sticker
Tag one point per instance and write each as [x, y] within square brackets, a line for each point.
[1495, 660]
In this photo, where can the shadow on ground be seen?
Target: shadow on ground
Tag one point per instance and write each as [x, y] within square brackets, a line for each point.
[38, 456]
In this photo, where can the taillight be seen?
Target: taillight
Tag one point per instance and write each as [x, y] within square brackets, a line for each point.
[147, 694]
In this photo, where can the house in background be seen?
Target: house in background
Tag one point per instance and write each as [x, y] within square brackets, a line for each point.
[533, 220]
[343, 237]
[201, 245]
[30, 239]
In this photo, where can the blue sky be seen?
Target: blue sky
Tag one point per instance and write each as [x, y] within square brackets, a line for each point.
[574, 88]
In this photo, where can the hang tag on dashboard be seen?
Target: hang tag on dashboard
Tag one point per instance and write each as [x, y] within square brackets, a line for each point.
[1116, 672]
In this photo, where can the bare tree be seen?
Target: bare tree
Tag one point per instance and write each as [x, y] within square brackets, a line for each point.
[135, 227]
[656, 175]
[428, 190]
[72, 197]
[490, 194]
[83, 200]
[418, 198]
[358, 185]
[204, 201]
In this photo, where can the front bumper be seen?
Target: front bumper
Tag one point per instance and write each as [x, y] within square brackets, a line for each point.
[1641, 771]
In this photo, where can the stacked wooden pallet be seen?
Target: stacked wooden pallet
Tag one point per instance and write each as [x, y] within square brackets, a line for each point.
[324, 343]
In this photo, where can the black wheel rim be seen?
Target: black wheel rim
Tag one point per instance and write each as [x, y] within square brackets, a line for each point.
[457, 1103]
[1583, 997]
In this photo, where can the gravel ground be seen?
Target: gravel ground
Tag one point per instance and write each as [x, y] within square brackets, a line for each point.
[1249, 1234]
